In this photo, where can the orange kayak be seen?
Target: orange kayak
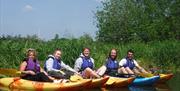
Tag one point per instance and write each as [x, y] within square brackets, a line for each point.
[21, 84]
[165, 77]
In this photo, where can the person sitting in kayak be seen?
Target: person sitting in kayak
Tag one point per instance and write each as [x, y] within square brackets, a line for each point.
[31, 69]
[111, 65]
[54, 66]
[128, 65]
[85, 65]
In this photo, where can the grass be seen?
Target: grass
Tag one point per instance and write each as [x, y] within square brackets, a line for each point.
[163, 54]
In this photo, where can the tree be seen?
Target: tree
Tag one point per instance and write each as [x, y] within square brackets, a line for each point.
[56, 36]
[143, 20]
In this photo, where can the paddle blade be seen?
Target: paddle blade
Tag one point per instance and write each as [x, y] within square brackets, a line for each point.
[146, 74]
[2, 76]
[62, 72]
[110, 81]
[9, 72]
[75, 78]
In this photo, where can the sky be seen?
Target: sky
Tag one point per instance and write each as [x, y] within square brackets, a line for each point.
[45, 18]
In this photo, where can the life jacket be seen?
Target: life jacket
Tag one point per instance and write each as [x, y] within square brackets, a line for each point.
[129, 63]
[32, 65]
[111, 64]
[56, 63]
[87, 62]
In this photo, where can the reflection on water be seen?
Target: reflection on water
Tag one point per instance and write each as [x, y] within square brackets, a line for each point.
[159, 87]
[142, 88]
[172, 85]
[162, 87]
[116, 89]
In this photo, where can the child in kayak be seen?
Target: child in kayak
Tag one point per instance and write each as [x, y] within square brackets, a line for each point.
[128, 65]
[85, 65]
[31, 69]
[54, 66]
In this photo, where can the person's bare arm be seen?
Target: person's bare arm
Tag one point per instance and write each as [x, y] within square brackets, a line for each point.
[141, 69]
[23, 67]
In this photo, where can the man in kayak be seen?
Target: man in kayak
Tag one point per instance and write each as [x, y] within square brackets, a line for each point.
[54, 66]
[31, 69]
[85, 65]
[128, 65]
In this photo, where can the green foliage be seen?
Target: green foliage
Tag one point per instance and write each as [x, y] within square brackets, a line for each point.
[138, 20]
[164, 54]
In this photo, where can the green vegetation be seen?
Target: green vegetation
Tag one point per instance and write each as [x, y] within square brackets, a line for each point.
[150, 27]
[164, 54]
[138, 20]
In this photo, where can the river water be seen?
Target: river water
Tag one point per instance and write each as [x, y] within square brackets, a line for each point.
[171, 85]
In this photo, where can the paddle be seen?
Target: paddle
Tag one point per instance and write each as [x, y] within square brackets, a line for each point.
[137, 75]
[2, 76]
[75, 78]
[146, 74]
[10, 72]
[110, 81]
[62, 72]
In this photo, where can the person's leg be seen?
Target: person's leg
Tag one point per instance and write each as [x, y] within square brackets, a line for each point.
[90, 73]
[30, 77]
[56, 75]
[122, 71]
[101, 71]
[129, 70]
[59, 77]
[68, 74]
[143, 70]
[139, 70]
[136, 71]
[43, 78]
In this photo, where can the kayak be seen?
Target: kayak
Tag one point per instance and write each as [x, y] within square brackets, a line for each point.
[96, 83]
[118, 82]
[140, 81]
[21, 84]
[164, 78]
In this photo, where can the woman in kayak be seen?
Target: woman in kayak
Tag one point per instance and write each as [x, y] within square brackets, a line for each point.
[54, 66]
[85, 65]
[128, 65]
[111, 65]
[31, 69]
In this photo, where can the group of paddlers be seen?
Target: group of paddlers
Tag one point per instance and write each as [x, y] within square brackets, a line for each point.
[55, 69]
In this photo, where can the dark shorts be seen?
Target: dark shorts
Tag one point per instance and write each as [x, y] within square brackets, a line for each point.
[59, 75]
[41, 77]
[113, 73]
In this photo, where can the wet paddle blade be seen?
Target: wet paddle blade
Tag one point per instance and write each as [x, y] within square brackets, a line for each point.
[110, 81]
[62, 72]
[75, 78]
[9, 72]
[146, 74]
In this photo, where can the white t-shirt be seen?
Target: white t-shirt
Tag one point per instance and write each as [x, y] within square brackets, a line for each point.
[124, 61]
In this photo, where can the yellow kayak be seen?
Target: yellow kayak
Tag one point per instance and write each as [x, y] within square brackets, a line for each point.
[165, 77]
[119, 82]
[98, 82]
[21, 84]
